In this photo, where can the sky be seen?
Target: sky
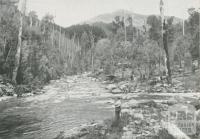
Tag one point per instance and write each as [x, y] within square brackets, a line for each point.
[69, 12]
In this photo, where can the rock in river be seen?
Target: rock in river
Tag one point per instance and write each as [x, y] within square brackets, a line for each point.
[111, 87]
[116, 91]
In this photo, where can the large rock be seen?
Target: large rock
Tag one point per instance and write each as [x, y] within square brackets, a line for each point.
[123, 85]
[111, 87]
[116, 91]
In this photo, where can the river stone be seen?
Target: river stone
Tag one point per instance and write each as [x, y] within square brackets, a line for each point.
[27, 95]
[111, 87]
[133, 104]
[172, 101]
[123, 85]
[116, 91]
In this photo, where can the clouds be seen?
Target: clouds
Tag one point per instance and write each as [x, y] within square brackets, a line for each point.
[70, 12]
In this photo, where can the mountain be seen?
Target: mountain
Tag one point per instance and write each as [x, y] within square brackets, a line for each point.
[138, 19]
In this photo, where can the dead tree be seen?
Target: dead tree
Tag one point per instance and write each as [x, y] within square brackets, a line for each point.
[19, 45]
[165, 44]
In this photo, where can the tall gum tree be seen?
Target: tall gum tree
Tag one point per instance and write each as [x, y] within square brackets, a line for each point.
[22, 8]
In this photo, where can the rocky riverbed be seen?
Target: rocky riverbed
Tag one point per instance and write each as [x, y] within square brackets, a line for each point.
[82, 107]
[67, 104]
[143, 113]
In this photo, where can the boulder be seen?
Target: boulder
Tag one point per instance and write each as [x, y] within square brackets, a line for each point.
[116, 91]
[133, 104]
[111, 87]
[171, 101]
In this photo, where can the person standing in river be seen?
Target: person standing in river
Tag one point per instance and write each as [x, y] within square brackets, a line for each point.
[118, 110]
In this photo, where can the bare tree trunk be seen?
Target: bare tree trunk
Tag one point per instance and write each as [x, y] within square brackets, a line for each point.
[19, 47]
[92, 51]
[53, 36]
[165, 43]
[4, 47]
[44, 30]
[31, 21]
[92, 61]
[59, 43]
[9, 53]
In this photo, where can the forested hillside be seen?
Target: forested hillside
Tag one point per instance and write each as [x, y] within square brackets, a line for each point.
[62, 82]
[142, 47]
[139, 19]
[47, 51]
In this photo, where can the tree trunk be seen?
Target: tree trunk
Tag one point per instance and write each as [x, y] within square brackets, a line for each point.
[165, 43]
[59, 40]
[92, 61]
[18, 54]
[92, 50]
[4, 47]
[31, 21]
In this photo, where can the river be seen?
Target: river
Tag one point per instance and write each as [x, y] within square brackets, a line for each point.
[66, 104]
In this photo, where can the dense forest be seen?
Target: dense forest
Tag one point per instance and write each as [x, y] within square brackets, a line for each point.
[33, 51]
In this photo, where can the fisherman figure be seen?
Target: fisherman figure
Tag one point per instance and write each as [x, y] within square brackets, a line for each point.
[117, 110]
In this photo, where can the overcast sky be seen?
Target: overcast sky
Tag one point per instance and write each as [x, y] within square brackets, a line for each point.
[69, 12]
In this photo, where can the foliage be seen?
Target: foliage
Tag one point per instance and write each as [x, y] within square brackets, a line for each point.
[193, 30]
[155, 27]
[49, 50]
[46, 50]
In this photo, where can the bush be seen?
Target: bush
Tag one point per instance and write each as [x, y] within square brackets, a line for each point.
[22, 89]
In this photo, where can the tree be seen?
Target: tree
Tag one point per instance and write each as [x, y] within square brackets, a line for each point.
[33, 18]
[155, 28]
[193, 27]
[47, 26]
[166, 39]
[165, 44]
[8, 36]
[19, 45]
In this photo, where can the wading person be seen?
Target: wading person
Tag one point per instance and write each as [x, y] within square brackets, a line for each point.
[117, 110]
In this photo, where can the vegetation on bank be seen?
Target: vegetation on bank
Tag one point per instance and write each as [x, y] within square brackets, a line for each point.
[48, 51]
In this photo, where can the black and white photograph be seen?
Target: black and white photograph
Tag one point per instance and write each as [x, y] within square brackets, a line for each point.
[99, 69]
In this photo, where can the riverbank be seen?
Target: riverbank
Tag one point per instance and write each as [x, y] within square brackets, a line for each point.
[143, 112]
[89, 102]
[140, 118]
[6, 89]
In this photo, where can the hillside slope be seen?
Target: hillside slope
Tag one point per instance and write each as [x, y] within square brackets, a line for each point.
[139, 19]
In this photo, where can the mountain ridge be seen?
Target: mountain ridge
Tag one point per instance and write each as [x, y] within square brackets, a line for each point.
[138, 19]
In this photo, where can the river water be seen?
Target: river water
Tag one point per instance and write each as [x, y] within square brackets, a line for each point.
[66, 104]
